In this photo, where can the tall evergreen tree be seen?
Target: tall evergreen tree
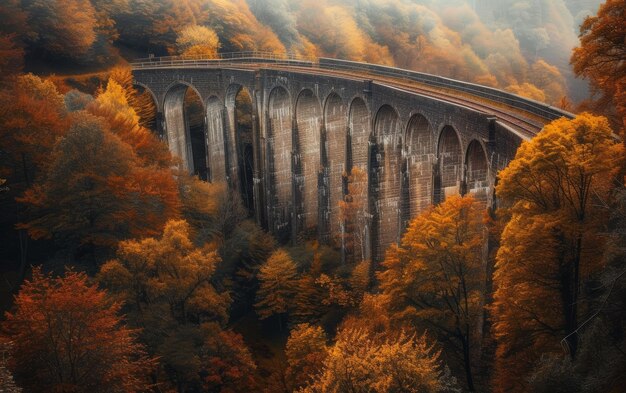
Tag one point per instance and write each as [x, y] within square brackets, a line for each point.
[278, 283]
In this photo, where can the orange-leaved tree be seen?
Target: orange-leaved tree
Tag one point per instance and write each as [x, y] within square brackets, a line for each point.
[32, 118]
[346, 292]
[229, 366]
[240, 30]
[6, 377]
[557, 190]
[200, 204]
[65, 29]
[11, 58]
[95, 192]
[600, 59]
[434, 277]
[309, 303]
[67, 336]
[169, 270]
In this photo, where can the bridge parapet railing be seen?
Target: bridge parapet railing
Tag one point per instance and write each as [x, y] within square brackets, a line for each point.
[230, 56]
[223, 59]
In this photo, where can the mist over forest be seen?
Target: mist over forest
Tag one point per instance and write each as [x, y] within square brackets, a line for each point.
[522, 46]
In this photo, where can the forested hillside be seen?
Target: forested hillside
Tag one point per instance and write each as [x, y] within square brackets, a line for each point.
[120, 273]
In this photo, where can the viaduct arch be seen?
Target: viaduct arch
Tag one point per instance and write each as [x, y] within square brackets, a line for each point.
[287, 134]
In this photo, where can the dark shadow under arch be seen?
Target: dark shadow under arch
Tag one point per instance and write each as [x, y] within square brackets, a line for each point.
[450, 168]
[243, 112]
[477, 171]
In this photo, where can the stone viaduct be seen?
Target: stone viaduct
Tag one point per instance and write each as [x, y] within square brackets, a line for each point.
[416, 138]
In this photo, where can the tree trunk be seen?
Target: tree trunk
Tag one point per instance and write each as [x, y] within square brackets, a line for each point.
[569, 272]
[467, 361]
[572, 318]
[22, 233]
[23, 240]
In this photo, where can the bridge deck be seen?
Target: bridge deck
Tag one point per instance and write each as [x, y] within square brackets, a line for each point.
[523, 116]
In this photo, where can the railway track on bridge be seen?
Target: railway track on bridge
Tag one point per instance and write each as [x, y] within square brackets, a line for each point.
[527, 128]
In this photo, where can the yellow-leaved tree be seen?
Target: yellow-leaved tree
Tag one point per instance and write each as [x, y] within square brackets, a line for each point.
[278, 282]
[198, 41]
[167, 285]
[169, 270]
[114, 105]
[434, 278]
[305, 351]
[557, 190]
[360, 362]
[141, 102]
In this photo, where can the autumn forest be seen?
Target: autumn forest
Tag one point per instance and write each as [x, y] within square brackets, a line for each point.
[122, 272]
